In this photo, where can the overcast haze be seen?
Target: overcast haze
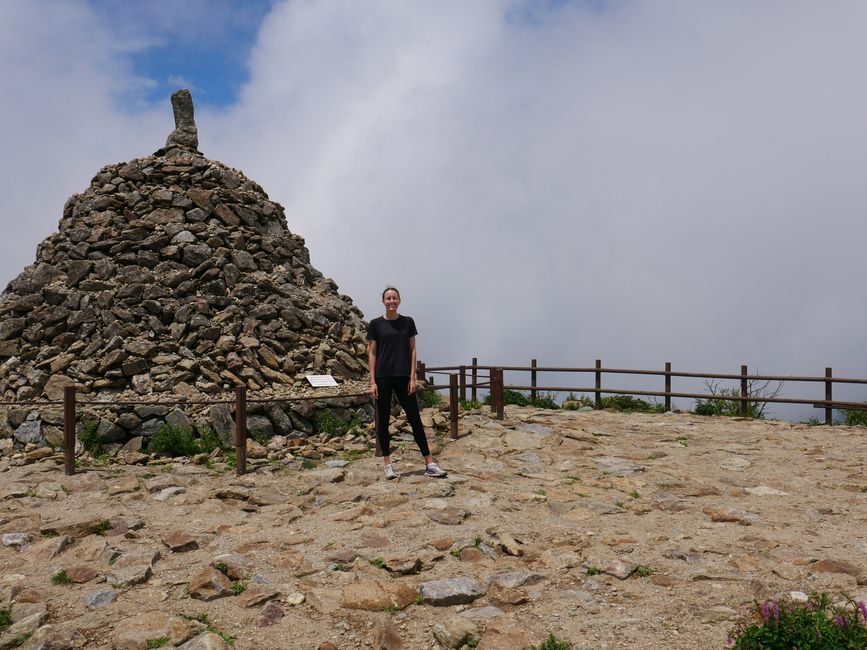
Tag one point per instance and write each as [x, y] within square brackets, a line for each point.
[639, 182]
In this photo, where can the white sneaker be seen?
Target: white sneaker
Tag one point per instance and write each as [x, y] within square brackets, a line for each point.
[389, 472]
[434, 470]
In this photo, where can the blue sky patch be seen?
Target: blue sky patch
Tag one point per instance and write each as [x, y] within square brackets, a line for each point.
[203, 45]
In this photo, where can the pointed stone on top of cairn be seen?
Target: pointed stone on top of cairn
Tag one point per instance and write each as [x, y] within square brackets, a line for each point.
[185, 133]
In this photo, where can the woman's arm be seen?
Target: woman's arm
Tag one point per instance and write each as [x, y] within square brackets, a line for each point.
[411, 388]
[371, 366]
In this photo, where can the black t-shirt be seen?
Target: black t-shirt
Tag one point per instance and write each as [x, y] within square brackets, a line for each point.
[392, 337]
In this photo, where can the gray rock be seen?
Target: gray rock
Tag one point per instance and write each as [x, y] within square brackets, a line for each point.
[224, 423]
[205, 641]
[179, 420]
[454, 591]
[30, 432]
[129, 576]
[185, 134]
[483, 613]
[149, 427]
[259, 425]
[15, 539]
[101, 598]
[282, 422]
[514, 579]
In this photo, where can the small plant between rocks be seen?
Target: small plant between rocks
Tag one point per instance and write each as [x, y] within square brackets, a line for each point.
[174, 441]
[160, 642]
[61, 578]
[5, 619]
[205, 620]
[101, 528]
[551, 643]
[817, 624]
[328, 422]
[91, 440]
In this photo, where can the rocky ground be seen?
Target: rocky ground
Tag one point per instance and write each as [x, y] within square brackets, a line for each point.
[608, 530]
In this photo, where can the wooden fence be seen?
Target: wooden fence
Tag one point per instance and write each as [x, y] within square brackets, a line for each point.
[467, 377]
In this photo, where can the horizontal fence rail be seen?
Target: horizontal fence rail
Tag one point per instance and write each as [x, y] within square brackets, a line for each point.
[745, 395]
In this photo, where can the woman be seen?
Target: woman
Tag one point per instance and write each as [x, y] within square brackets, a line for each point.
[391, 360]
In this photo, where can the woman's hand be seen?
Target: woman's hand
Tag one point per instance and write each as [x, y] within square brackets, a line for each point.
[410, 389]
[374, 390]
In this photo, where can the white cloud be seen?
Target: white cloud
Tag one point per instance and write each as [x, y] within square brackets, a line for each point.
[656, 181]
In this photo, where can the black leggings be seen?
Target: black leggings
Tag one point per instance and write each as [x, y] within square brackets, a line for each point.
[398, 385]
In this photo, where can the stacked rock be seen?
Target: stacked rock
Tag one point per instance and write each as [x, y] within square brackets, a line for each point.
[173, 275]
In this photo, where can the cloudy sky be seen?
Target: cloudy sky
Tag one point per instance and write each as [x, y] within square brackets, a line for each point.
[635, 181]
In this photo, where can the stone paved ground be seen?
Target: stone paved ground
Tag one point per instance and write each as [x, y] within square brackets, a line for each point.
[606, 529]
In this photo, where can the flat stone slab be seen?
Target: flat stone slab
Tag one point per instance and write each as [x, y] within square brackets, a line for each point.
[453, 591]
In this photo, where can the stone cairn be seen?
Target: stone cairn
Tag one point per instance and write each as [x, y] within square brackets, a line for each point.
[173, 277]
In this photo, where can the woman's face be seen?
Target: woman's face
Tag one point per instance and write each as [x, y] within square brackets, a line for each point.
[391, 300]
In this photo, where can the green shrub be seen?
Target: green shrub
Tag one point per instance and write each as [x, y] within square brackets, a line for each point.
[631, 404]
[729, 408]
[260, 436]
[174, 441]
[855, 418]
[814, 625]
[573, 402]
[209, 441]
[551, 643]
[544, 401]
[713, 405]
[5, 619]
[470, 404]
[428, 398]
[92, 442]
[161, 642]
[327, 421]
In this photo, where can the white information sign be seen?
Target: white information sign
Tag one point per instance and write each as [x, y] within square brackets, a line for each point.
[321, 381]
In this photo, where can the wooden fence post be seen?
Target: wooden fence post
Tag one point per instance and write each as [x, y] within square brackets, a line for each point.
[829, 392]
[533, 379]
[598, 390]
[667, 386]
[497, 392]
[69, 430]
[453, 405]
[420, 371]
[241, 430]
[745, 391]
[475, 378]
[463, 383]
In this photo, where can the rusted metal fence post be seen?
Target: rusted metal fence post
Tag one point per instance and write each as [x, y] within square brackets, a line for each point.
[241, 429]
[463, 383]
[667, 386]
[69, 430]
[533, 379]
[598, 391]
[453, 405]
[475, 378]
[829, 392]
[745, 391]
